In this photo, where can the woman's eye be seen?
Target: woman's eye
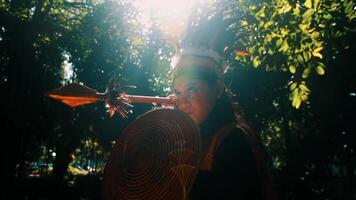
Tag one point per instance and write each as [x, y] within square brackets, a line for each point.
[177, 93]
[193, 90]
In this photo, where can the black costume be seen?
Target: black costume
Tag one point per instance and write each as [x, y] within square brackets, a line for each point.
[233, 171]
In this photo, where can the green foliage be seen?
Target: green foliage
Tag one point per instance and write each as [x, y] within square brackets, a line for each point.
[299, 93]
[299, 39]
[288, 35]
[88, 158]
[272, 136]
[154, 56]
[99, 45]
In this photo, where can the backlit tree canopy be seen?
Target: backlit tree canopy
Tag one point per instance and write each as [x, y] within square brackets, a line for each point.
[291, 66]
[298, 37]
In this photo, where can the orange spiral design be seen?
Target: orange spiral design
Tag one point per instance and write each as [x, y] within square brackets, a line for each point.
[156, 157]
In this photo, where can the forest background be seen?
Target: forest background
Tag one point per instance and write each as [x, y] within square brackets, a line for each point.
[291, 72]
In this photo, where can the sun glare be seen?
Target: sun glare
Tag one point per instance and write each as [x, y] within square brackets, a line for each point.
[169, 15]
[67, 68]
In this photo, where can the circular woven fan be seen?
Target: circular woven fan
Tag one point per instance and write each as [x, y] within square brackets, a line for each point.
[156, 157]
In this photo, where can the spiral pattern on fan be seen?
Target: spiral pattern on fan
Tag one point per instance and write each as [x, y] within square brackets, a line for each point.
[156, 157]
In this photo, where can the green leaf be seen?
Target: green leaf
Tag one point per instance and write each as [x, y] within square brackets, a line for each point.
[306, 56]
[284, 32]
[261, 49]
[287, 7]
[304, 88]
[261, 13]
[293, 86]
[279, 42]
[284, 46]
[300, 58]
[296, 11]
[307, 14]
[296, 101]
[304, 97]
[327, 16]
[306, 72]
[244, 23]
[252, 7]
[321, 65]
[292, 69]
[308, 4]
[251, 49]
[267, 24]
[303, 27]
[256, 62]
[267, 39]
[270, 51]
[261, 23]
[317, 54]
[348, 6]
[320, 70]
[315, 35]
[316, 3]
[318, 49]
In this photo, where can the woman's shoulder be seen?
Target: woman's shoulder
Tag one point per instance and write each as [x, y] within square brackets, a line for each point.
[234, 143]
[235, 133]
[227, 146]
[230, 137]
[235, 161]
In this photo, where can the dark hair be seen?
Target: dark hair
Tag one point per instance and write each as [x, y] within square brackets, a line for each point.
[200, 73]
[222, 113]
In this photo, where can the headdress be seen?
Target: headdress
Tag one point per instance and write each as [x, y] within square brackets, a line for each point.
[206, 38]
[218, 68]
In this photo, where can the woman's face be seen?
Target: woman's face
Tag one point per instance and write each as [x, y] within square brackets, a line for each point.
[195, 97]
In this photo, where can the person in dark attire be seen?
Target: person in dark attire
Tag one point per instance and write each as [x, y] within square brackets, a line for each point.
[233, 164]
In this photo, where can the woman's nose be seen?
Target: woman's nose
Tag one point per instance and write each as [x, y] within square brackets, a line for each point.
[183, 100]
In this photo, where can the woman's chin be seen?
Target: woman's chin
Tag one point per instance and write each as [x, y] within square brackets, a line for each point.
[195, 120]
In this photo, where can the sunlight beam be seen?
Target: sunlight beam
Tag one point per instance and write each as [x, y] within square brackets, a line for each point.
[169, 15]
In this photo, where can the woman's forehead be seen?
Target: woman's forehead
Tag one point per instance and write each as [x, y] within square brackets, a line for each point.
[183, 82]
[195, 61]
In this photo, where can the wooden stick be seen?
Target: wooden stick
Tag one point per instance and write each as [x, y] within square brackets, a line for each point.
[150, 99]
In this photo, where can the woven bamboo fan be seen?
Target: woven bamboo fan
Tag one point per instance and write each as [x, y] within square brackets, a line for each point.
[156, 157]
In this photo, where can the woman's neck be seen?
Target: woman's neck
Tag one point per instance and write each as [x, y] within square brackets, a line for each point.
[221, 114]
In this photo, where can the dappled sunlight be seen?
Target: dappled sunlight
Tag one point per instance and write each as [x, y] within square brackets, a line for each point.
[67, 68]
[88, 158]
[169, 16]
